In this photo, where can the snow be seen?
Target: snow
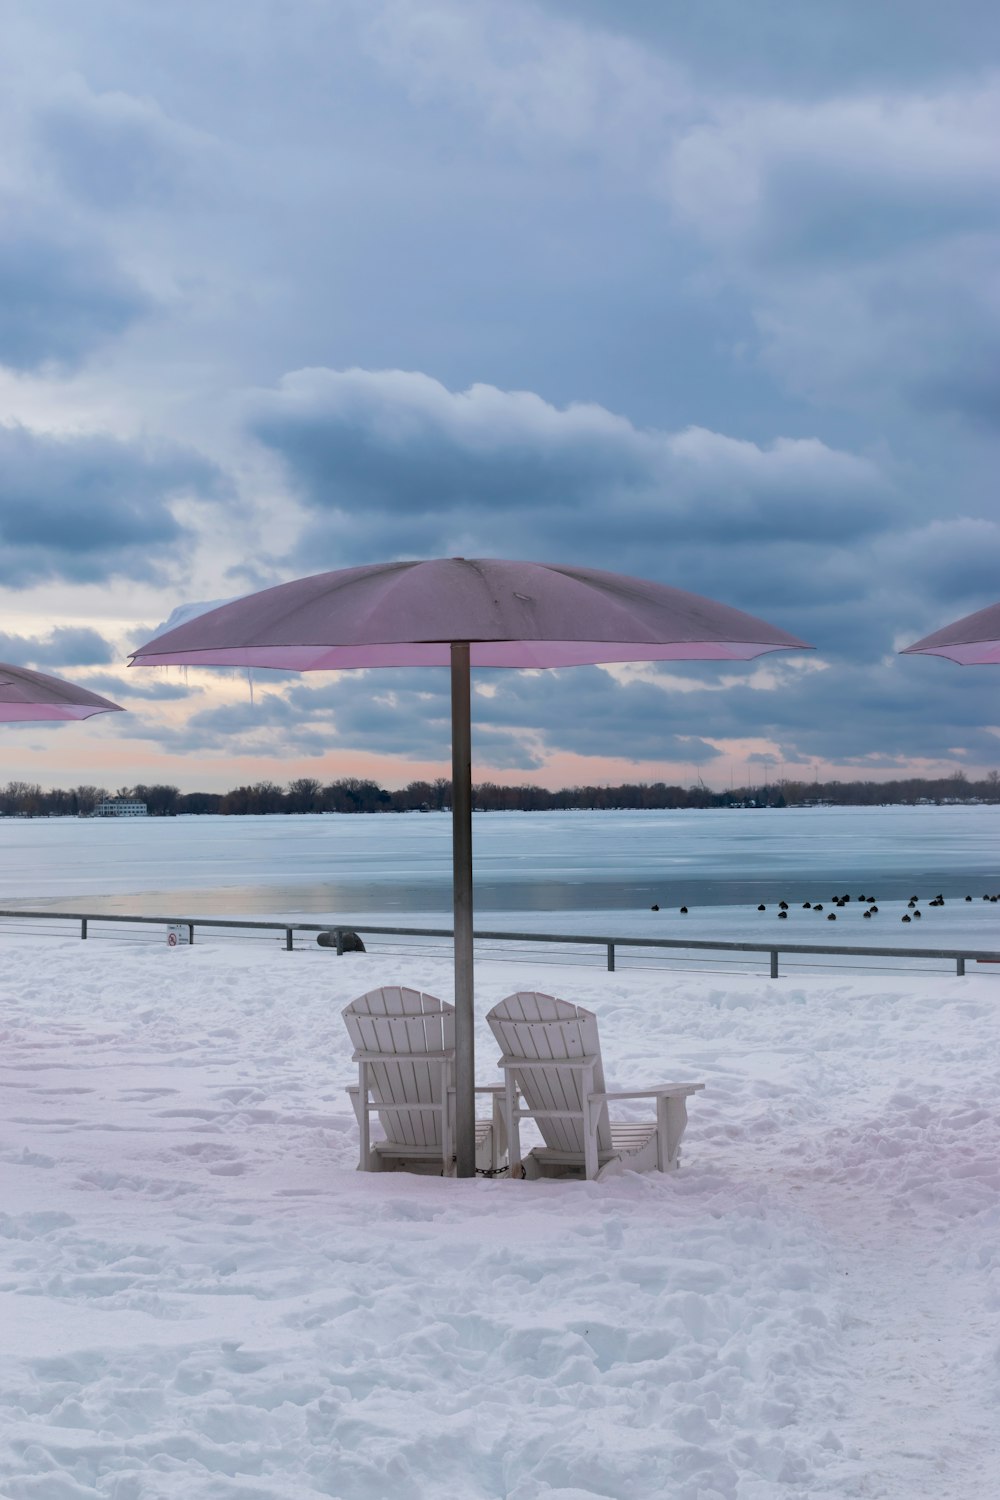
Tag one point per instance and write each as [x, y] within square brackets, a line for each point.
[201, 1298]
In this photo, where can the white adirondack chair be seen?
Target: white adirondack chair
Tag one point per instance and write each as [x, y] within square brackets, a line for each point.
[553, 1073]
[404, 1046]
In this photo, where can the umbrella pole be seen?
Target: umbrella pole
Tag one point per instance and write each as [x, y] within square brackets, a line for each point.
[461, 828]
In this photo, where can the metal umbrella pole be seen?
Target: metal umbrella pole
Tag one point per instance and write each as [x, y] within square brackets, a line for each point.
[461, 824]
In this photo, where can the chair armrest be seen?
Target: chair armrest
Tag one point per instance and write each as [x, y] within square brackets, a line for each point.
[482, 1088]
[663, 1090]
[587, 1061]
[402, 1057]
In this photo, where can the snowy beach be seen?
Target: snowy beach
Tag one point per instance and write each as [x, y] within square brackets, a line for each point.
[200, 1297]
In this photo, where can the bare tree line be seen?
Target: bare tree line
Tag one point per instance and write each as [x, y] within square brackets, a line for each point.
[351, 794]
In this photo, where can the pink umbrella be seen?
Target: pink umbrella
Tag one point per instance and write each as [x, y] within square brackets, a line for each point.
[461, 612]
[28, 695]
[971, 641]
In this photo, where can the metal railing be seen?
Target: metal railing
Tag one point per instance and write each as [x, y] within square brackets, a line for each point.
[338, 932]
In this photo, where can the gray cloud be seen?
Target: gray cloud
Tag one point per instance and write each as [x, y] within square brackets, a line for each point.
[360, 712]
[90, 508]
[819, 539]
[140, 685]
[855, 215]
[399, 463]
[62, 294]
[114, 150]
[66, 646]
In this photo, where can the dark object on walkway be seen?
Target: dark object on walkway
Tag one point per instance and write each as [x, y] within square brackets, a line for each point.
[350, 942]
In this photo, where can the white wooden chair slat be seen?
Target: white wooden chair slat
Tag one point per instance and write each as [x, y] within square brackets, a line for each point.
[552, 1062]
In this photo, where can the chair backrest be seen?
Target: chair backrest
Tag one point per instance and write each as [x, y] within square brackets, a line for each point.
[404, 1024]
[535, 1033]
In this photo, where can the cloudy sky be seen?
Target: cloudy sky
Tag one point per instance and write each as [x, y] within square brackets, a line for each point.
[706, 293]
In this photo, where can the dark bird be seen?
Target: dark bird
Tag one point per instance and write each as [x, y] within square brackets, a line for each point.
[905, 917]
[654, 907]
[684, 910]
[807, 905]
[831, 916]
[762, 907]
[783, 916]
[918, 913]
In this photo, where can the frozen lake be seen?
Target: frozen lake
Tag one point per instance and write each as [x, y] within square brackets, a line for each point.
[561, 871]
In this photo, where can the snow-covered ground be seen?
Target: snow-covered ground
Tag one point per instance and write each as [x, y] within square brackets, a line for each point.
[200, 1298]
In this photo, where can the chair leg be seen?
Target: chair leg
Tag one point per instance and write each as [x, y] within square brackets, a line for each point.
[447, 1143]
[364, 1120]
[513, 1124]
[590, 1115]
[671, 1122]
[497, 1115]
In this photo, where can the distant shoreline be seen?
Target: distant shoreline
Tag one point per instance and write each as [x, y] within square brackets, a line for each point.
[351, 795]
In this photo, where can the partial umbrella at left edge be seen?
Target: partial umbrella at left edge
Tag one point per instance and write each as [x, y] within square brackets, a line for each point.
[27, 696]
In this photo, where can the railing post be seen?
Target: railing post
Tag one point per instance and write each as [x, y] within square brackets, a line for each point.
[190, 933]
[83, 927]
[340, 942]
[774, 963]
[960, 967]
[611, 958]
[288, 939]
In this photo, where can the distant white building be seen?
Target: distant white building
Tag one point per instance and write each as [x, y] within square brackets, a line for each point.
[120, 807]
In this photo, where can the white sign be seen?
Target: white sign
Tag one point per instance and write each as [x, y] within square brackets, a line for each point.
[175, 935]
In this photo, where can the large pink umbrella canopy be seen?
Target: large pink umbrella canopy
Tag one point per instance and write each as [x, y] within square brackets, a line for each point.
[972, 641]
[513, 614]
[26, 696]
[461, 612]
